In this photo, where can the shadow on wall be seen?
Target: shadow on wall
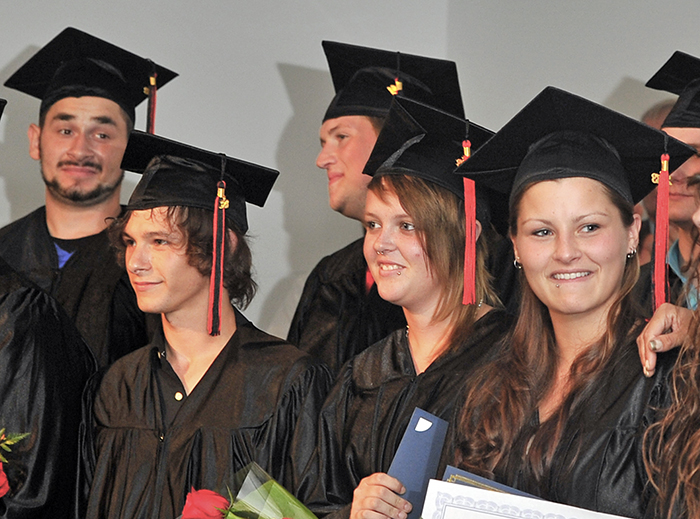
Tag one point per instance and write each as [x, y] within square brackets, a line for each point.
[24, 190]
[314, 230]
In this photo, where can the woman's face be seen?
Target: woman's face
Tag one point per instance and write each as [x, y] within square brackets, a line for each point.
[573, 245]
[395, 256]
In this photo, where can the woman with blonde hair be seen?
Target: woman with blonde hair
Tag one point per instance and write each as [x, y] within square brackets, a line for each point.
[415, 249]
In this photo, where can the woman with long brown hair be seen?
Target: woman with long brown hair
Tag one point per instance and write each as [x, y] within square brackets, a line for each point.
[559, 413]
[415, 249]
[672, 445]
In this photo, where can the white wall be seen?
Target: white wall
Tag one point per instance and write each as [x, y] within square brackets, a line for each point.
[605, 50]
[254, 84]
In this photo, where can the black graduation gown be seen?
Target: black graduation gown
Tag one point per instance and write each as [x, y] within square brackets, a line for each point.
[258, 401]
[336, 318]
[44, 365]
[643, 291]
[92, 288]
[368, 409]
[608, 474]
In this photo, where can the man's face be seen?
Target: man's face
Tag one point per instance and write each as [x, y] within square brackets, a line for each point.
[346, 144]
[682, 202]
[80, 148]
[159, 270]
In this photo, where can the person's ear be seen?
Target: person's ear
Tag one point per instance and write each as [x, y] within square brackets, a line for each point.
[34, 136]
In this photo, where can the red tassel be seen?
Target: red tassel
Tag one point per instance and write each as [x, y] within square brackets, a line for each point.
[216, 281]
[469, 297]
[151, 117]
[369, 281]
[661, 235]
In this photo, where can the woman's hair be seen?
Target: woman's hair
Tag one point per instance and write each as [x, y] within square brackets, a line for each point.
[196, 226]
[496, 423]
[672, 445]
[438, 216]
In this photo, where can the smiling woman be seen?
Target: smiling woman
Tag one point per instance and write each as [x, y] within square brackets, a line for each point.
[394, 249]
[574, 254]
[415, 249]
[558, 414]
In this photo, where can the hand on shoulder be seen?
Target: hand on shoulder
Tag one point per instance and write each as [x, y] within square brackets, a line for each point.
[667, 329]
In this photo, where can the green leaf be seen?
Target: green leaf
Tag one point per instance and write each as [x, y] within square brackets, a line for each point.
[15, 437]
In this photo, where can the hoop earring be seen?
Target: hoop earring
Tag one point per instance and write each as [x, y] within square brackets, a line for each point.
[517, 264]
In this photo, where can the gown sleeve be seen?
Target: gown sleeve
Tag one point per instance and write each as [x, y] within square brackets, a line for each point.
[326, 485]
[44, 365]
[86, 444]
[297, 422]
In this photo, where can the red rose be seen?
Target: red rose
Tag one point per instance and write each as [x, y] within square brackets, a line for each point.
[204, 504]
[4, 485]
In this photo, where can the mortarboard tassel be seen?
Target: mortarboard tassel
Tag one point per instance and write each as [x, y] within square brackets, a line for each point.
[661, 234]
[398, 85]
[216, 282]
[469, 296]
[151, 91]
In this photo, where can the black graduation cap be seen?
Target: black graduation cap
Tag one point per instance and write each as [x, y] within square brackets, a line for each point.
[176, 174]
[680, 75]
[421, 141]
[171, 185]
[561, 135]
[76, 64]
[2, 106]
[366, 80]
[425, 142]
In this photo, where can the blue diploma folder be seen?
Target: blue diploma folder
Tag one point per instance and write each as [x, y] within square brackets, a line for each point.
[418, 456]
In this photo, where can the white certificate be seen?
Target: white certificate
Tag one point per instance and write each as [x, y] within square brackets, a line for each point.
[451, 501]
